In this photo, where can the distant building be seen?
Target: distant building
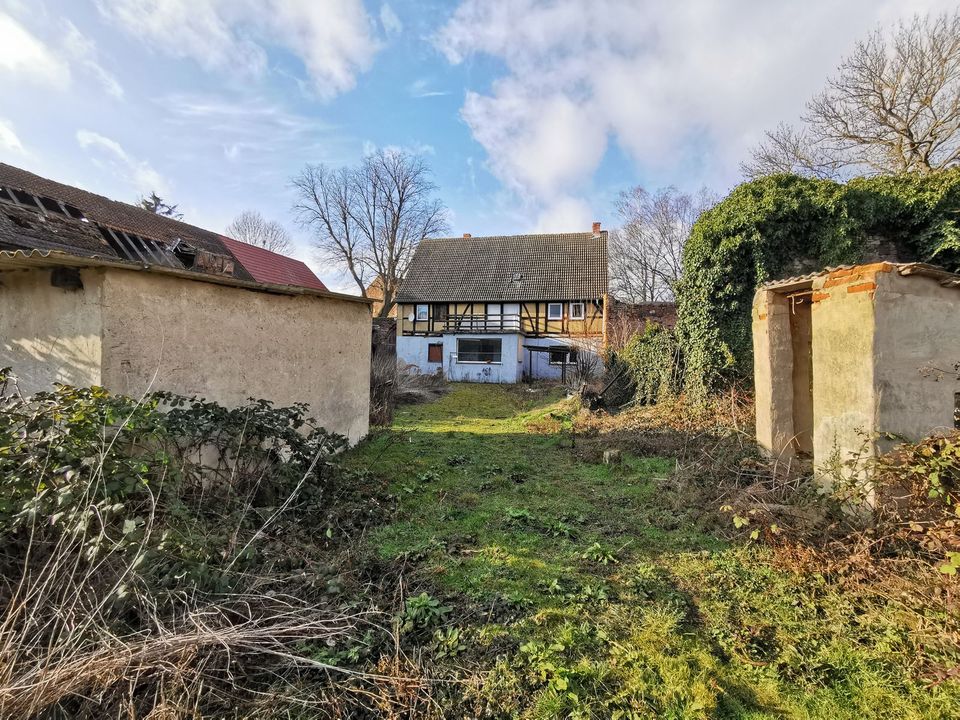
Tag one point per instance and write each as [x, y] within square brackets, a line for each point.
[98, 292]
[846, 354]
[375, 293]
[498, 309]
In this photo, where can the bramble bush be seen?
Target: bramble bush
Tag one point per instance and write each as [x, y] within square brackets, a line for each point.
[137, 542]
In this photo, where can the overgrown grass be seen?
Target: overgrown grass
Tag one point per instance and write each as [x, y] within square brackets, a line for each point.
[577, 589]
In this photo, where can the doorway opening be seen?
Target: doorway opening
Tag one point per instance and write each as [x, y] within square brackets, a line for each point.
[801, 341]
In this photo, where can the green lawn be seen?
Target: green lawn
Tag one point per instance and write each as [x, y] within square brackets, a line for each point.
[584, 590]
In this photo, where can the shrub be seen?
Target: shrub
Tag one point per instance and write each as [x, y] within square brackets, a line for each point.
[130, 530]
[653, 358]
[785, 225]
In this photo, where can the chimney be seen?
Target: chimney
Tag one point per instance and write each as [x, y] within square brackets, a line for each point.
[466, 235]
[596, 228]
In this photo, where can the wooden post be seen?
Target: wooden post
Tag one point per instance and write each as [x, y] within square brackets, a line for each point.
[606, 303]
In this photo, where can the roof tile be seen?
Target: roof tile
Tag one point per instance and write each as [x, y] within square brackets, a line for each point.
[562, 266]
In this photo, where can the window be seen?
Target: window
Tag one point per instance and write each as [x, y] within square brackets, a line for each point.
[423, 312]
[557, 355]
[479, 350]
[577, 311]
[555, 311]
[435, 352]
[440, 313]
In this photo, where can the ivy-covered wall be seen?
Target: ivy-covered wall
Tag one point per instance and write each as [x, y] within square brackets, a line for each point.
[785, 225]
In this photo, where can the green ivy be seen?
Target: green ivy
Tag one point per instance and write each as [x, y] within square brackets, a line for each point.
[653, 359]
[785, 225]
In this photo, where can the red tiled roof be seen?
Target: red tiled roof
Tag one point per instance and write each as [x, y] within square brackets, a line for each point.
[270, 267]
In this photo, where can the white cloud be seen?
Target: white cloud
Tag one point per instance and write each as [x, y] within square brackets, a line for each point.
[684, 88]
[8, 138]
[83, 50]
[388, 18]
[421, 88]
[22, 54]
[333, 38]
[110, 155]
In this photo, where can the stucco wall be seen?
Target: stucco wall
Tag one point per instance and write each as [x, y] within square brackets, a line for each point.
[773, 373]
[844, 402]
[507, 371]
[917, 343]
[228, 344]
[48, 334]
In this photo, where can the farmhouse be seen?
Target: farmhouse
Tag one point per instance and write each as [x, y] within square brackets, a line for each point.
[845, 355]
[500, 309]
[97, 292]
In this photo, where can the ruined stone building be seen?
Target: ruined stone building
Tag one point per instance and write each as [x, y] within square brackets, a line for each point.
[99, 292]
[845, 356]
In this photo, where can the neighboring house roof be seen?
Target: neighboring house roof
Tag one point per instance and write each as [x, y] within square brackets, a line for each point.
[267, 266]
[564, 266]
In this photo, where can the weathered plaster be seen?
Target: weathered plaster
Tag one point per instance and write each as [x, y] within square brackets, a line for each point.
[48, 334]
[229, 344]
[916, 346]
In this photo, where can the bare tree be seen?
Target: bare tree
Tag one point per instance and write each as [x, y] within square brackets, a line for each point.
[789, 149]
[893, 106]
[646, 250]
[252, 228]
[155, 204]
[369, 219]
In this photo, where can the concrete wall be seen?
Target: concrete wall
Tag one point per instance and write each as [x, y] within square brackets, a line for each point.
[844, 401]
[228, 344]
[916, 345]
[507, 371]
[539, 362]
[48, 334]
[412, 350]
[773, 373]
[883, 347]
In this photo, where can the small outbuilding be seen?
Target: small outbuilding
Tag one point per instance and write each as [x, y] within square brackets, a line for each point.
[849, 355]
[96, 292]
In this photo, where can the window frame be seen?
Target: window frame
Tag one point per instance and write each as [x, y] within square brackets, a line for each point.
[571, 355]
[583, 310]
[498, 353]
[416, 313]
[553, 305]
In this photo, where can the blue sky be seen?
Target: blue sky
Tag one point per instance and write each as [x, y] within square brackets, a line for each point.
[533, 114]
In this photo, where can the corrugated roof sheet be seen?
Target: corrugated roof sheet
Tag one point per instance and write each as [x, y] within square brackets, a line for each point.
[565, 266]
[270, 267]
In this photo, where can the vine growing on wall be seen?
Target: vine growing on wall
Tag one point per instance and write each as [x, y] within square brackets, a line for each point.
[784, 225]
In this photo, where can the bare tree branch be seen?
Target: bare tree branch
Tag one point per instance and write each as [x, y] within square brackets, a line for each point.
[252, 228]
[369, 219]
[645, 252]
[893, 106]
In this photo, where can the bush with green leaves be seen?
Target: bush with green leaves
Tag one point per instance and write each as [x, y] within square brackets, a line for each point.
[653, 359]
[182, 485]
[784, 225]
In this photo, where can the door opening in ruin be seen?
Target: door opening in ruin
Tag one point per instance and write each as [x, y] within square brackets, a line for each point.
[801, 337]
